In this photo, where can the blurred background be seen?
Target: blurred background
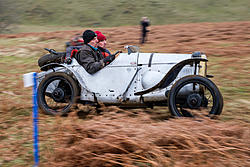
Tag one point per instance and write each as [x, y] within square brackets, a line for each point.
[41, 15]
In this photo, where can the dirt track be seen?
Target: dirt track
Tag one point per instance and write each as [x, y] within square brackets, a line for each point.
[137, 137]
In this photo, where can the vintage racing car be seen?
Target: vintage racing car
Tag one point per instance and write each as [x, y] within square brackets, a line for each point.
[133, 79]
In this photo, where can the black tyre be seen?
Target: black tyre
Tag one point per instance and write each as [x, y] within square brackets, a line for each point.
[194, 95]
[57, 92]
[51, 58]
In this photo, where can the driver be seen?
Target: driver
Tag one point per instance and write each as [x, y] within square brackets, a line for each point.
[89, 56]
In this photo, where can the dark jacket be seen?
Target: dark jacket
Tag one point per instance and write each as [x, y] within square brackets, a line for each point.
[144, 25]
[105, 52]
[90, 59]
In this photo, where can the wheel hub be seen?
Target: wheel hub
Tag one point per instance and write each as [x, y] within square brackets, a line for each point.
[194, 101]
[58, 95]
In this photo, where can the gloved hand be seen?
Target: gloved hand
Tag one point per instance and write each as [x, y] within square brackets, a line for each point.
[109, 59]
[68, 60]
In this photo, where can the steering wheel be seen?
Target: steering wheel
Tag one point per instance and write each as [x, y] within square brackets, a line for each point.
[117, 53]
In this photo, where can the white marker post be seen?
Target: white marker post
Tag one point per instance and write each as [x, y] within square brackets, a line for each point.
[29, 79]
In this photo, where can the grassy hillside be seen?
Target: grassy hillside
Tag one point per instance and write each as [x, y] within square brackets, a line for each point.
[109, 13]
[144, 137]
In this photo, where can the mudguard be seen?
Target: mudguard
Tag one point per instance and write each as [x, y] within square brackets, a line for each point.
[172, 74]
[51, 66]
[68, 67]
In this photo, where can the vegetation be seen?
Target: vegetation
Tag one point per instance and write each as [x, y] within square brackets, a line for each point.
[117, 132]
[110, 13]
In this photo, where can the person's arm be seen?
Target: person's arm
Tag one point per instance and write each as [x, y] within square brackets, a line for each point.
[106, 50]
[110, 58]
[87, 60]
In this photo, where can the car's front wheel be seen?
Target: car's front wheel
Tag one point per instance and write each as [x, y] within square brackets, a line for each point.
[194, 95]
[57, 92]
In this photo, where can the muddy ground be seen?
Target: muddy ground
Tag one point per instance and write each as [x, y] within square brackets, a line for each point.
[131, 137]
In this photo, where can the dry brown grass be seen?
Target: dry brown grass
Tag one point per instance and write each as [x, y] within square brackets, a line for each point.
[132, 138]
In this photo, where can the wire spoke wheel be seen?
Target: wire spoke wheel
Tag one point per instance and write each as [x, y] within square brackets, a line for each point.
[195, 95]
[56, 93]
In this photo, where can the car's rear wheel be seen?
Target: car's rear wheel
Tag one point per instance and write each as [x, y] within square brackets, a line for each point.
[57, 92]
[194, 95]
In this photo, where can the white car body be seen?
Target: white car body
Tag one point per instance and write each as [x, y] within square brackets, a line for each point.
[132, 78]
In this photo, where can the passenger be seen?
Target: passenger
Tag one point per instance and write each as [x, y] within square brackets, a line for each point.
[70, 51]
[77, 40]
[89, 56]
[72, 47]
[101, 45]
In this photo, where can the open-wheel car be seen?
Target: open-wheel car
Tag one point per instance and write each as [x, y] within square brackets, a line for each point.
[132, 80]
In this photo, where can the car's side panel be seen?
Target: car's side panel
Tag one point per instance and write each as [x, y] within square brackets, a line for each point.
[161, 58]
[112, 81]
[125, 60]
[156, 65]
